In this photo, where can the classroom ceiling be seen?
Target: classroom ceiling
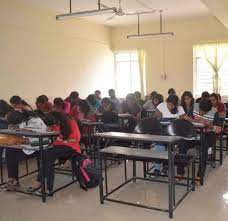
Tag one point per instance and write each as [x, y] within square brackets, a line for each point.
[173, 9]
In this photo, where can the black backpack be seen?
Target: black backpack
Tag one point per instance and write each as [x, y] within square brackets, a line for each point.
[86, 172]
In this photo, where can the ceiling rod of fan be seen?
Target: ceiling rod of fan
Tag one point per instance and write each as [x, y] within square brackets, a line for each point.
[102, 9]
[138, 35]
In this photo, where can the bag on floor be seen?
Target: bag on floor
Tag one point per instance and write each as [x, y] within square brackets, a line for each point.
[86, 172]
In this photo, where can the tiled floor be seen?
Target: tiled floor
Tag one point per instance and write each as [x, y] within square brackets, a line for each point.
[206, 204]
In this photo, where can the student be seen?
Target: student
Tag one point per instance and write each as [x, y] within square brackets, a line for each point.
[5, 108]
[114, 99]
[171, 91]
[216, 103]
[85, 112]
[107, 105]
[19, 104]
[98, 95]
[204, 113]
[171, 108]
[64, 146]
[149, 106]
[43, 105]
[130, 106]
[204, 95]
[73, 99]
[93, 103]
[138, 98]
[61, 106]
[187, 102]
[25, 120]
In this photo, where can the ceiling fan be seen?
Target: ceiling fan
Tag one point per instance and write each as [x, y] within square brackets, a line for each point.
[120, 12]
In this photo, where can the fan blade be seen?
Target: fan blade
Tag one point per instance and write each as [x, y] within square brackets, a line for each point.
[110, 18]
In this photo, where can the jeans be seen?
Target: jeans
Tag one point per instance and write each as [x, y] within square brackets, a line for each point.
[159, 147]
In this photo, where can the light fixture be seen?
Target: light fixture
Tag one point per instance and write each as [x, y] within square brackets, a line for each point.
[161, 33]
[102, 9]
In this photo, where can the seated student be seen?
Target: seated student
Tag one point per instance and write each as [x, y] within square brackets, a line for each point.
[114, 99]
[130, 106]
[64, 146]
[107, 105]
[5, 108]
[216, 103]
[61, 106]
[187, 102]
[19, 104]
[170, 109]
[23, 120]
[43, 105]
[138, 98]
[172, 91]
[204, 113]
[204, 95]
[98, 95]
[149, 106]
[93, 103]
[85, 112]
[73, 99]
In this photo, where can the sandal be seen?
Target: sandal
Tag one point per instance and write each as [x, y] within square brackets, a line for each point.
[33, 189]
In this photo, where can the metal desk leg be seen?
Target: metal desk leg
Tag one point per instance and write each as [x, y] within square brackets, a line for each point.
[101, 174]
[134, 171]
[221, 150]
[171, 180]
[42, 168]
[125, 170]
[201, 158]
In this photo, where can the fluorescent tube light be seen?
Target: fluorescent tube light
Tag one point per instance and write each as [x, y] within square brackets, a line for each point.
[149, 34]
[86, 13]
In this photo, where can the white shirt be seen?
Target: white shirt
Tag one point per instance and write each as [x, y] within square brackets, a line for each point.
[34, 124]
[167, 114]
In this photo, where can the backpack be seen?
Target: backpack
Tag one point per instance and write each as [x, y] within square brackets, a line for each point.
[86, 172]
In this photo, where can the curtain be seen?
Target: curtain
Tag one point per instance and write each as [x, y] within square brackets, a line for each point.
[215, 55]
[142, 70]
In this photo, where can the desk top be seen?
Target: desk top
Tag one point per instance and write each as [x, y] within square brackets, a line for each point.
[196, 125]
[125, 115]
[138, 137]
[135, 152]
[27, 133]
[91, 123]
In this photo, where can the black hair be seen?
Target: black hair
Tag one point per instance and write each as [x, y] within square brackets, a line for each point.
[138, 93]
[15, 117]
[175, 101]
[205, 105]
[84, 107]
[18, 100]
[149, 126]
[106, 100]
[171, 91]
[219, 96]
[152, 94]
[74, 94]
[42, 99]
[98, 91]
[186, 94]
[215, 96]
[61, 119]
[111, 90]
[5, 108]
[205, 94]
[91, 99]
[159, 97]
[59, 102]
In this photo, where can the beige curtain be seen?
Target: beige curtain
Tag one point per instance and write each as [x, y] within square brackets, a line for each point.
[215, 55]
[142, 70]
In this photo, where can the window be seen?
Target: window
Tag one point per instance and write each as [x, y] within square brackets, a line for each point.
[127, 75]
[211, 69]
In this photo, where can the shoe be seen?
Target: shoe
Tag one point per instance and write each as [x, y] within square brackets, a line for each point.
[11, 186]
